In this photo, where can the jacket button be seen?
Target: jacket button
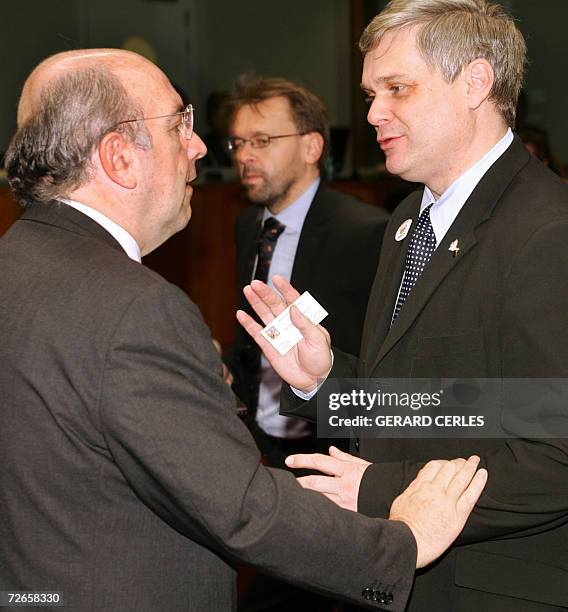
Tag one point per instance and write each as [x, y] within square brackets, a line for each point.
[357, 443]
[367, 593]
[379, 596]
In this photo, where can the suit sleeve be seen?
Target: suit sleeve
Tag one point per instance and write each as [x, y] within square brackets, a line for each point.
[527, 490]
[168, 419]
[344, 366]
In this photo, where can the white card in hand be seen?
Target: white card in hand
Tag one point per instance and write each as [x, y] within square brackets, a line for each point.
[282, 333]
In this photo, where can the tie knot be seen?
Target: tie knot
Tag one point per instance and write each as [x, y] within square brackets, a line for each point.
[426, 212]
[271, 229]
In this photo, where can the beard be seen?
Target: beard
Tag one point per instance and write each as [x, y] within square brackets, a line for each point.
[266, 192]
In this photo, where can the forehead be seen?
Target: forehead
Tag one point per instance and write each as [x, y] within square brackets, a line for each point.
[150, 87]
[397, 55]
[264, 117]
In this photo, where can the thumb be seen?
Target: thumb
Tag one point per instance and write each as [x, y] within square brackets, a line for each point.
[301, 322]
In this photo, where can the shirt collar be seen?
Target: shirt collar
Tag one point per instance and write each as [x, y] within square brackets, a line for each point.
[446, 208]
[293, 216]
[123, 238]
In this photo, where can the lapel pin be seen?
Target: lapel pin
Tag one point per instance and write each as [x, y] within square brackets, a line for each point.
[402, 231]
[454, 247]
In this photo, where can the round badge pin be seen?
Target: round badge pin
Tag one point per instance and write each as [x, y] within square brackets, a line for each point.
[402, 231]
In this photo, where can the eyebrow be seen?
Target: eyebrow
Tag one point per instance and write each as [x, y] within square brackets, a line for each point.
[386, 79]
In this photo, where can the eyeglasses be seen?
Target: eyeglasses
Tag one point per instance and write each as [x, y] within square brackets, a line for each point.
[256, 142]
[186, 124]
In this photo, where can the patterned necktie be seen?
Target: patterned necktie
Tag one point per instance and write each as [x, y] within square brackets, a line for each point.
[265, 245]
[422, 245]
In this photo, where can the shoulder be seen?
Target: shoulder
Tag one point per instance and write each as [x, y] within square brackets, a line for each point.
[348, 210]
[535, 198]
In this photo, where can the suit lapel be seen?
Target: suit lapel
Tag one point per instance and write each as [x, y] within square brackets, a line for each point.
[315, 232]
[477, 210]
[388, 279]
[246, 253]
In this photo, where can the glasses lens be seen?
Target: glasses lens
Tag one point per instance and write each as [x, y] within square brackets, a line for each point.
[187, 119]
[259, 142]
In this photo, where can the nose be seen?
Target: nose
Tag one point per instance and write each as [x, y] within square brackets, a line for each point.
[379, 112]
[196, 148]
[245, 153]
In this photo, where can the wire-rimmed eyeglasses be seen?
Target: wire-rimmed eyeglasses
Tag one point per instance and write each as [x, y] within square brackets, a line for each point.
[185, 126]
[256, 142]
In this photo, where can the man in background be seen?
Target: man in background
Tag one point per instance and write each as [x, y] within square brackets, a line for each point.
[326, 242]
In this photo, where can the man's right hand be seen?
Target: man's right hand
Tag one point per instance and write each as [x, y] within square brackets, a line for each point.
[304, 365]
[437, 504]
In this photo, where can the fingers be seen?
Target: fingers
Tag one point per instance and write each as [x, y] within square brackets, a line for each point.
[316, 461]
[258, 303]
[473, 492]
[320, 484]
[313, 334]
[339, 454]
[253, 329]
[462, 478]
[429, 471]
[285, 288]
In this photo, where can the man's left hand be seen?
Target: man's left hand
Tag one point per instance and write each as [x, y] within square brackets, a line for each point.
[344, 471]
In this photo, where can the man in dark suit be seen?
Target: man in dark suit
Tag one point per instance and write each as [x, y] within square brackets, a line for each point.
[329, 243]
[471, 283]
[127, 481]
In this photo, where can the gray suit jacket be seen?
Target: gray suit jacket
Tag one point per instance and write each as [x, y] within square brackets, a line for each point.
[126, 480]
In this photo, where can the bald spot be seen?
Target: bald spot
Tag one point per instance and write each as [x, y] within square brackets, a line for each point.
[126, 65]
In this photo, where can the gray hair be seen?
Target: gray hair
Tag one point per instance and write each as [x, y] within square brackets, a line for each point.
[50, 154]
[453, 33]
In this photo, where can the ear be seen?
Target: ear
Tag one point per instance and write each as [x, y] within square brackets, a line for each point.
[479, 78]
[313, 147]
[117, 159]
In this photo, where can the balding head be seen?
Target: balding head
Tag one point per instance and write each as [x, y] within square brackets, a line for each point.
[68, 103]
[117, 61]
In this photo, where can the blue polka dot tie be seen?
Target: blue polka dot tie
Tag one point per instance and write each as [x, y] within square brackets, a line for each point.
[422, 245]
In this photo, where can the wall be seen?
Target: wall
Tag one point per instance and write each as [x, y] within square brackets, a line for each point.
[203, 44]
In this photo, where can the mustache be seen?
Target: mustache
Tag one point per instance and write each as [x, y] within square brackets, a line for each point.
[251, 170]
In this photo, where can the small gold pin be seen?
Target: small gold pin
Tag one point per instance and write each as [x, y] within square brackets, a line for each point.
[454, 247]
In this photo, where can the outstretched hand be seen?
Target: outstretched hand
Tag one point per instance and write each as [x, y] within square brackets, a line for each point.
[437, 504]
[309, 360]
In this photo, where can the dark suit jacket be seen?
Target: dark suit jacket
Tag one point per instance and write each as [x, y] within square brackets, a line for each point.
[336, 261]
[126, 480]
[497, 310]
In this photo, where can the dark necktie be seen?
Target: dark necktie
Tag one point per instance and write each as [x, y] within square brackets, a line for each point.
[422, 245]
[265, 245]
